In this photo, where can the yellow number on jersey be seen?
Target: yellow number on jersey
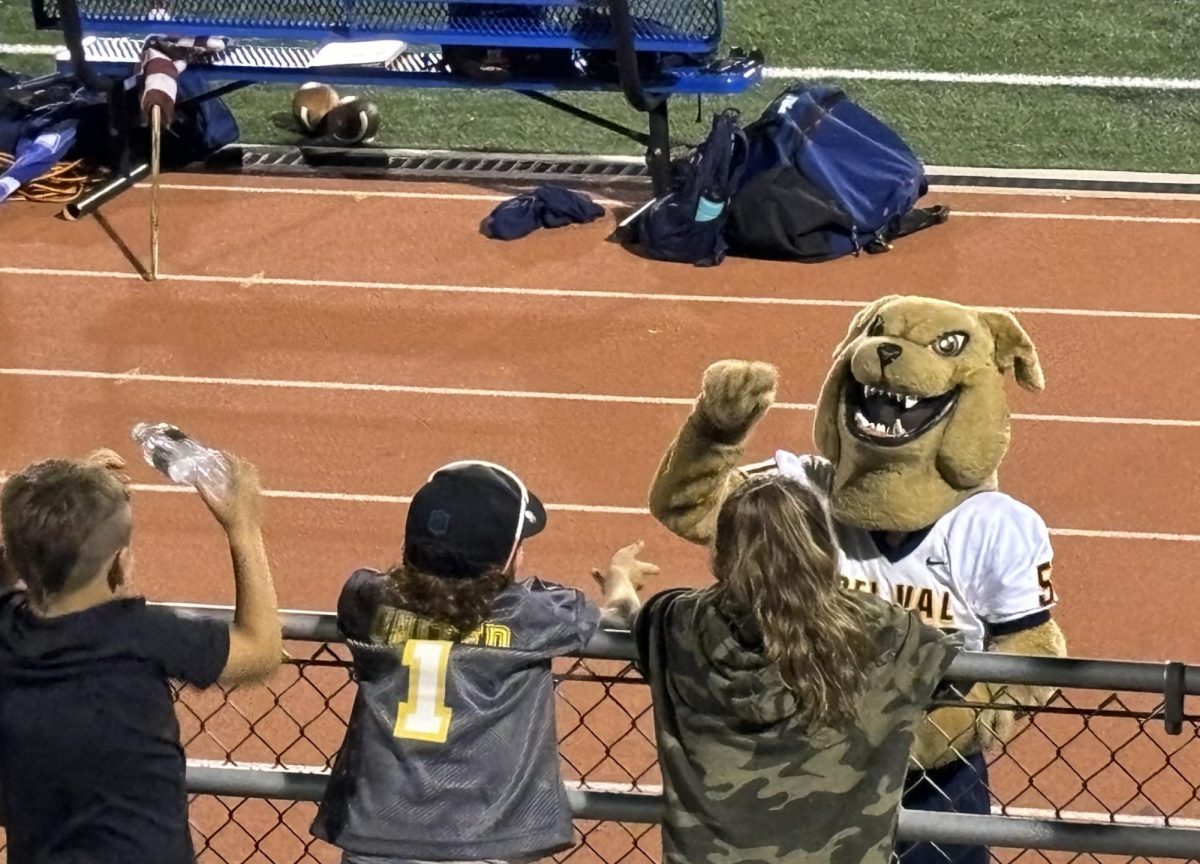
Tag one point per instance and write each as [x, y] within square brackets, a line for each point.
[425, 716]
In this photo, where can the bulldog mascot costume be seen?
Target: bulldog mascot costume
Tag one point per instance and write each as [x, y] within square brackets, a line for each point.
[910, 430]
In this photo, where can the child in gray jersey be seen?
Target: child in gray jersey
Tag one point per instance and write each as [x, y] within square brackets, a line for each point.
[451, 752]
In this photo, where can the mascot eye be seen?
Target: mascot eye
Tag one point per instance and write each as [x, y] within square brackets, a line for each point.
[950, 344]
[876, 326]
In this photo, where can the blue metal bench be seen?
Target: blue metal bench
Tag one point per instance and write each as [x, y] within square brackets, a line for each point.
[658, 48]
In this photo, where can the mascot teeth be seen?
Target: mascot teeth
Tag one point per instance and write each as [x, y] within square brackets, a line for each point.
[907, 401]
[886, 417]
[896, 430]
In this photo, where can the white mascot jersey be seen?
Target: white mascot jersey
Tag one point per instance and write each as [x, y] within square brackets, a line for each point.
[982, 569]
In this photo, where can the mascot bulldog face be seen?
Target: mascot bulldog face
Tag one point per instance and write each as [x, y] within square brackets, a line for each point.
[914, 413]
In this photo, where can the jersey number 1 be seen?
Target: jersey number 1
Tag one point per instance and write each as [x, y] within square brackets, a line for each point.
[425, 716]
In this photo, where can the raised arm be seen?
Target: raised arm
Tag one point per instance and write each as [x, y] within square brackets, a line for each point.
[255, 636]
[700, 467]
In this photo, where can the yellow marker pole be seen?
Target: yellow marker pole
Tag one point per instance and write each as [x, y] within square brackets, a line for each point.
[155, 145]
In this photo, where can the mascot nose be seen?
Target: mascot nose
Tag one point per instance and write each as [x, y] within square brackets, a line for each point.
[887, 353]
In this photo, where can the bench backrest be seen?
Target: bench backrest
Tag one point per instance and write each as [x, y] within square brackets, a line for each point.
[691, 27]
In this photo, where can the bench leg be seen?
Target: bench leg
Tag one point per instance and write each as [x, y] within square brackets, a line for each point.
[658, 153]
[120, 126]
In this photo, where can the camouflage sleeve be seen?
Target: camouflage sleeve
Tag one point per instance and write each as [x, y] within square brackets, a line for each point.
[654, 608]
[922, 656]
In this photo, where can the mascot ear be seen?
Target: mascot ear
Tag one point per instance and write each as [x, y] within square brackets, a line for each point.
[862, 321]
[1014, 350]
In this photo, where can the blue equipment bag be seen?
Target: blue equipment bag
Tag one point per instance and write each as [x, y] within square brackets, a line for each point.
[824, 178]
[687, 224]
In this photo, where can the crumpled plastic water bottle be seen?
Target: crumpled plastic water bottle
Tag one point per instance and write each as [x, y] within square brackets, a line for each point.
[183, 459]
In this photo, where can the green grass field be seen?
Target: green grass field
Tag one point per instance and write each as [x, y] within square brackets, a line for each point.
[948, 124]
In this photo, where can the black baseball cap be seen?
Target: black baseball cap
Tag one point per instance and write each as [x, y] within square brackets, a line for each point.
[469, 518]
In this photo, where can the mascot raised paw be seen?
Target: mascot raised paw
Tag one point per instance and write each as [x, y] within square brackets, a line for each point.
[911, 427]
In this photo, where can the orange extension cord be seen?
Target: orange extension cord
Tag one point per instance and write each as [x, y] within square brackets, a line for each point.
[62, 184]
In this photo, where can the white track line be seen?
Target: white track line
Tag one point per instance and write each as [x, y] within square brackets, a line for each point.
[1078, 217]
[356, 498]
[1125, 535]
[31, 50]
[1062, 194]
[485, 393]
[1084, 174]
[357, 194]
[607, 510]
[1122, 82]
[262, 279]
[1107, 421]
[225, 607]
[351, 387]
[364, 194]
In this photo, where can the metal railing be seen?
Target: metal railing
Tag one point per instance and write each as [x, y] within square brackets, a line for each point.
[1110, 766]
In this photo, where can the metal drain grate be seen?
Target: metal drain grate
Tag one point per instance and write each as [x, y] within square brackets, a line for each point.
[404, 164]
[615, 171]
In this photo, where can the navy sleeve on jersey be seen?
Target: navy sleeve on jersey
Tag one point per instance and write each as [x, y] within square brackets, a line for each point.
[358, 603]
[552, 619]
[189, 648]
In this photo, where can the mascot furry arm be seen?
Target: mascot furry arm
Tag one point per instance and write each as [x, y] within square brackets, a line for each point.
[701, 467]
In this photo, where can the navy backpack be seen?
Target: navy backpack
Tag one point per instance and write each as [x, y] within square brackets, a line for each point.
[201, 127]
[687, 225]
[824, 178]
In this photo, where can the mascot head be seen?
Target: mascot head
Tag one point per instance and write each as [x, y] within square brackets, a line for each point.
[914, 413]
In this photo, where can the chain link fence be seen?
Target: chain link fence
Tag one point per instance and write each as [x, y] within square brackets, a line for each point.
[1086, 756]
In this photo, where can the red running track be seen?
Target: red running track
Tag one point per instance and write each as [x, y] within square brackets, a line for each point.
[350, 336]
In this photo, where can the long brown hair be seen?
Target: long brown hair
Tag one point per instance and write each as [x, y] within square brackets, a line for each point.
[435, 582]
[775, 561]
